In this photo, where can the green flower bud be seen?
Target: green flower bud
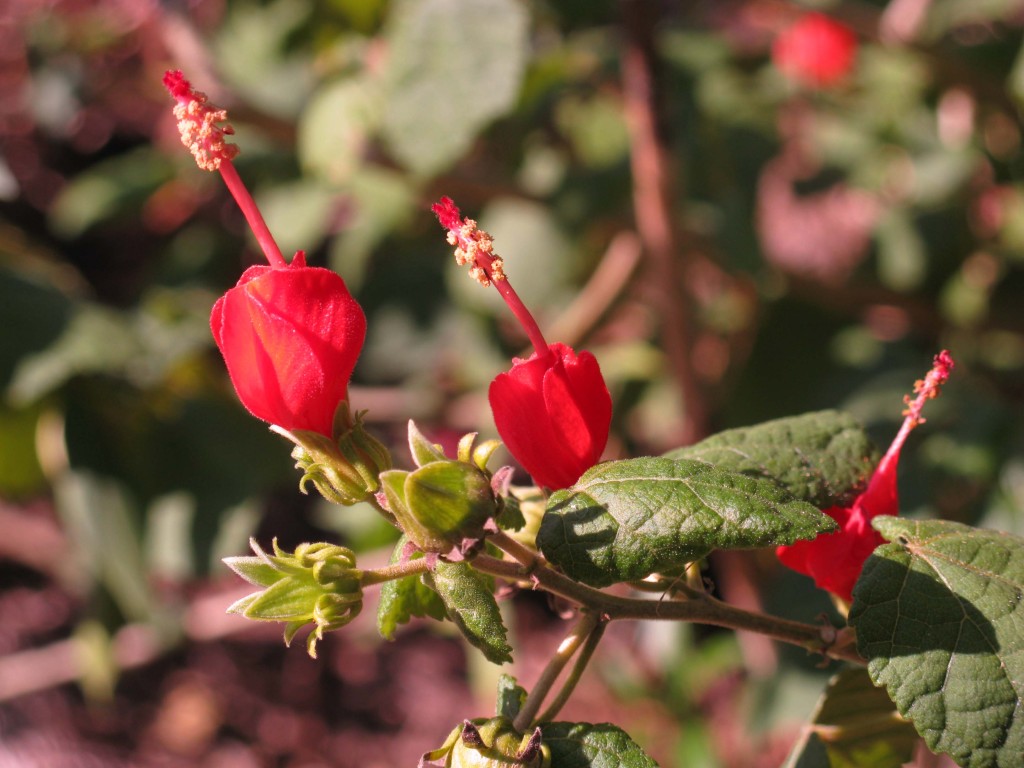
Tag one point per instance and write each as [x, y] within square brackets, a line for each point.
[490, 743]
[318, 584]
[344, 470]
[445, 506]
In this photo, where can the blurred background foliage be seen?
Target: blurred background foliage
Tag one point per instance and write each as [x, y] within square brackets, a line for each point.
[734, 247]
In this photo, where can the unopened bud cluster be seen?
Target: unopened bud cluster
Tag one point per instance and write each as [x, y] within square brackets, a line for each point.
[316, 584]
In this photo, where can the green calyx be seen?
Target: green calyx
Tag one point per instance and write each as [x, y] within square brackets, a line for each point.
[316, 584]
[345, 469]
[445, 506]
[493, 743]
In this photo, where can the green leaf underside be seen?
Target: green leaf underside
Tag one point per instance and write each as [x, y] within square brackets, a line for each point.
[854, 724]
[401, 599]
[624, 520]
[938, 616]
[469, 600]
[585, 745]
[824, 458]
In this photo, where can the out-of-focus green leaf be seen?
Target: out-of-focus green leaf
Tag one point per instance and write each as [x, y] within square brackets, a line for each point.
[939, 614]
[510, 697]
[255, 56]
[902, 255]
[334, 128]
[454, 66]
[20, 472]
[298, 213]
[588, 745]
[824, 458]
[854, 724]
[469, 601]
[118, 186]
[624, 520]
[32, 315]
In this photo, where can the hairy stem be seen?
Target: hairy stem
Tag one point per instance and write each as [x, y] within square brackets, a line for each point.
[701, 609]
[579, 634]
[394, 571]
[575, 673]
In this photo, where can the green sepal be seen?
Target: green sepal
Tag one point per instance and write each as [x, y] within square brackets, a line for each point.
[423, 451]
[255, 570]
[491, 743]
[450, 502]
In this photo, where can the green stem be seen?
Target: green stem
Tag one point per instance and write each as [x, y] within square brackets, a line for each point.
[572, 642]
[575, 673]
[394, 571]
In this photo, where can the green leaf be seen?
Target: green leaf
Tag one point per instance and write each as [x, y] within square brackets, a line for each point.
[453, 67]
[624, 520]
[288, 599]
[854, 724]
[401, 599]
[511, 696]
[469, 600]
[586, 745]
[823, 458]
[938, 616]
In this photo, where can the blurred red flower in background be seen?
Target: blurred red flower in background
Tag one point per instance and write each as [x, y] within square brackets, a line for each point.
[816, 51]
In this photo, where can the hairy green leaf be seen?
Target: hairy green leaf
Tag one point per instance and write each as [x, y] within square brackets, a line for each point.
[824, 458]
[469, 601]
[511, 696]
[586, 745]
[938, 616]
[855, 723]
[624, 520]
[454, 66]
[404, 598]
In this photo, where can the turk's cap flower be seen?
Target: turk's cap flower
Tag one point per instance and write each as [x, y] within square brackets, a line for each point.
[553, 412]
[316, 584]
[290, 337]
[835, 560]
[816, 51]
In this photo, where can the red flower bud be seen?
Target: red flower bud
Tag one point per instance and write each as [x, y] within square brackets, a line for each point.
[816, 51]
[290, 337]
[835, 560]
[553, 412]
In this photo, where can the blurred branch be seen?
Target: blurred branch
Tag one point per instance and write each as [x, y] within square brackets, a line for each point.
[613, 273]
[650, 161]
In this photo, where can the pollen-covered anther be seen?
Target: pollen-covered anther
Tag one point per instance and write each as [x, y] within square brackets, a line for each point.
[480, 275]
[497, 269]
[199, 124]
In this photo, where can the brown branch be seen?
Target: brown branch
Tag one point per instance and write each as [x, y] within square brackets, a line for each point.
[651, 161]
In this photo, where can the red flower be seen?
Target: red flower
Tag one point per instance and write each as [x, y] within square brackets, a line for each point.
[816, 51]
[290, 334]
[835, 560]
[553, 412]
[290, 337]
